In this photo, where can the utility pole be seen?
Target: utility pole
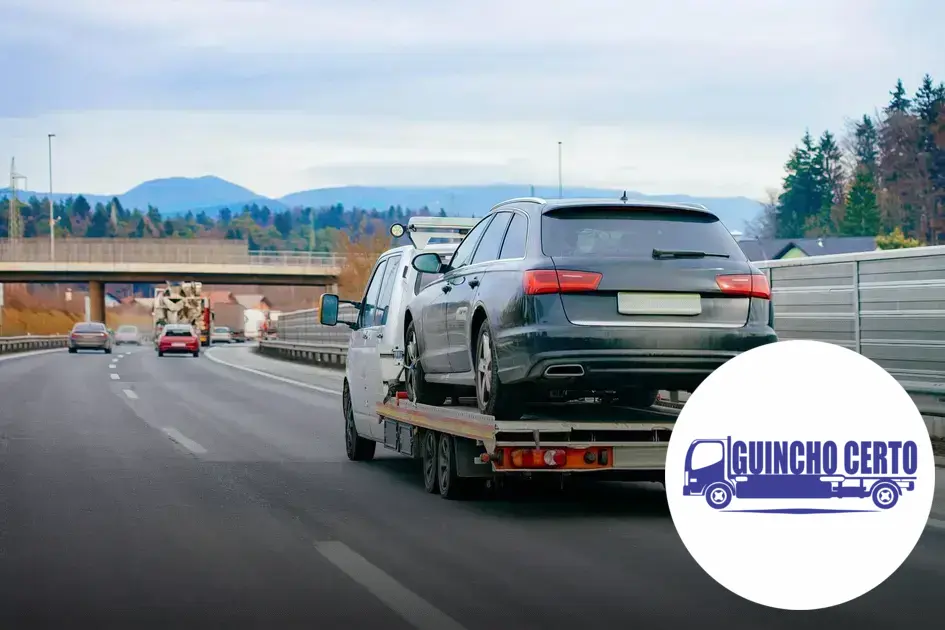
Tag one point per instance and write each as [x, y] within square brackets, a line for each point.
[15, 223]
[560, 187]
[52, 214]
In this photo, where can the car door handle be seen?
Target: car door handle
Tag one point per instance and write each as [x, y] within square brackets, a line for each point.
[474, 283]
[380, 335]
[364, 335]
[447, 288]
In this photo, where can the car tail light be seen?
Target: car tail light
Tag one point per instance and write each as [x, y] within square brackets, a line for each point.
[749, 285]
[543, 281]
[539, 458]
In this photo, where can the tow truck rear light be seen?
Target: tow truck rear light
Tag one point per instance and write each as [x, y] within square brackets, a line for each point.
[749, 285]
[539, 458]
[545, 281]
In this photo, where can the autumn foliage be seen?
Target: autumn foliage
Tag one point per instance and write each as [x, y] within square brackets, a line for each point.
[360, 251]
[49, 313]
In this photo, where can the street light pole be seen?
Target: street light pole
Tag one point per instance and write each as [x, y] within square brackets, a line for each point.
[560, 189]
[52, 214]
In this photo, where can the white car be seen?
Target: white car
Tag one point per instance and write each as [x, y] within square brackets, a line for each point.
[375, 357]
[127, 334]
[221, 334]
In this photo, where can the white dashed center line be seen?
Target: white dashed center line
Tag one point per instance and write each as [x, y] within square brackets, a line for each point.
[130, 394]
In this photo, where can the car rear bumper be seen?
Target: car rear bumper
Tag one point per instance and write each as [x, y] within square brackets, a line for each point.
[611, 357]
[179, 350]
[89, 345]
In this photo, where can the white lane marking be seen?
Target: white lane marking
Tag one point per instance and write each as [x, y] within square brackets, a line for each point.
[184, 441]
[113, 366]
[290, 381]
[410, 606]
[31, 353]
[936, 523]
[130, 394]
[115, 377]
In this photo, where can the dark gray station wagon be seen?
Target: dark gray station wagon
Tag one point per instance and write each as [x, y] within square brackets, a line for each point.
[564, 299]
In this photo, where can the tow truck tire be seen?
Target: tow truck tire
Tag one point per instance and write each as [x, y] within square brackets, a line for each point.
[492, 397]
[428, 446]
[418, 389]
[450, 484]
[718, 495]
[885, 495]
[356, 447]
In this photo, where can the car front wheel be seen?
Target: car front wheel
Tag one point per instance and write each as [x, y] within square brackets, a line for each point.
[418, 389]
[493, 397]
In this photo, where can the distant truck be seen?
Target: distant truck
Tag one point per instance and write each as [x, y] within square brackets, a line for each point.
[232, 316]
[182, 303]
[253, 319]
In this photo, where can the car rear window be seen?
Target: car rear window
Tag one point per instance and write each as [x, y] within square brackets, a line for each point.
[632, 232]
[178, 332]
[127, 329]
[221, 329]
[89, 328]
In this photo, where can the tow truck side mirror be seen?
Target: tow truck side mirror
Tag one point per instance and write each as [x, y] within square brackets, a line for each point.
[328, 309]
[428, 262]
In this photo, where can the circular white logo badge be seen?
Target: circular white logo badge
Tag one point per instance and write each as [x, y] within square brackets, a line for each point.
[800, 475]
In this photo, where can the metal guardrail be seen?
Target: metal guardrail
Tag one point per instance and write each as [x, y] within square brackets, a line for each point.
[9, 345]
[157, 251]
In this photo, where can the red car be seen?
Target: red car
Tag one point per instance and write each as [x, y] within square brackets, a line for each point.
[178, 339]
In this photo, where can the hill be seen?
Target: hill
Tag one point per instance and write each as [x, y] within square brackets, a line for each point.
[477, 200]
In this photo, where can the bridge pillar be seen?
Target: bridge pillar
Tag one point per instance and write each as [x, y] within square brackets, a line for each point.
[97, 301]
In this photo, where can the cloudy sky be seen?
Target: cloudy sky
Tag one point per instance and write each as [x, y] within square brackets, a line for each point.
[676, 96]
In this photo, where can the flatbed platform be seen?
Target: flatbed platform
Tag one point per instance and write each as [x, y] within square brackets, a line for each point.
[586, 437]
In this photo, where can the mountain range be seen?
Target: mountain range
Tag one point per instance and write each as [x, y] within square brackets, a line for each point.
[177, 195]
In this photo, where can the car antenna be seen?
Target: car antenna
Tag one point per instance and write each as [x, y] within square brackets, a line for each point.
[624, 198]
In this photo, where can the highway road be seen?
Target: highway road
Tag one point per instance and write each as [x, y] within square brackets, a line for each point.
[180, 492]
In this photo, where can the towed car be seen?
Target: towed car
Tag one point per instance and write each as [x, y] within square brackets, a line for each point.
[179, 339]
[557, 300]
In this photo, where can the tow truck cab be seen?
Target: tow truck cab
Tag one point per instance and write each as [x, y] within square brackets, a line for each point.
[376, 347]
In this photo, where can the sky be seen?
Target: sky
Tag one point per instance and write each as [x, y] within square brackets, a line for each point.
[670, 97]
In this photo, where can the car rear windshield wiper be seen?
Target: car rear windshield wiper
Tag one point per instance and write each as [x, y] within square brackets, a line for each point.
[682, 253]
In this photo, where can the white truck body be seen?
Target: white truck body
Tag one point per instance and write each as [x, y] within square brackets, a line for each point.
[253, 318]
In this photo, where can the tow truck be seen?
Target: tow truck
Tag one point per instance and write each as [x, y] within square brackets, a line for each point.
[455, 444]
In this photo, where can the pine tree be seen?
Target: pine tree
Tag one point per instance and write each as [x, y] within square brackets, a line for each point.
[802, 197]
[861, 215]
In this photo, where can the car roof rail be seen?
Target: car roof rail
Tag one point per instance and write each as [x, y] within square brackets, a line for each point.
[519, 200]
[422, 230]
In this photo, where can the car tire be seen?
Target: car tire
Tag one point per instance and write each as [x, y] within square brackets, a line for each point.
[357, 448]
[160, 354]
[418, 389]
[449, 483]
[73, 350]
[196, 354]
[493, 398]
[108, 350]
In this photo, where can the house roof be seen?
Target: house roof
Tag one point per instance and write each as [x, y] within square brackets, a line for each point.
[251, 301]
[775, 248]
[217, 297]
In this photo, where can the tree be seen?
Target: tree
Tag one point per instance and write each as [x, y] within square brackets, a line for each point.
[861, 215]
[766, 225]
[803, 195]
[896, 240]
[360, 252]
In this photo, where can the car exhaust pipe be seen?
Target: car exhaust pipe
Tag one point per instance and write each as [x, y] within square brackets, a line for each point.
[564, 371]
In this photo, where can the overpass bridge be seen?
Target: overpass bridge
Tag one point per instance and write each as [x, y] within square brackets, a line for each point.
[211, 261]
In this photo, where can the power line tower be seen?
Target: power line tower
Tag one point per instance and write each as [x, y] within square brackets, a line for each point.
[15, 229]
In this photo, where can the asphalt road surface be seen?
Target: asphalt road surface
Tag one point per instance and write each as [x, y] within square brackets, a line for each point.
[179, 492]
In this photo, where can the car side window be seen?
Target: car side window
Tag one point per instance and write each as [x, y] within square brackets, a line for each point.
[491, 241]
[467, 248]
[514, 244]
[366, 317]
[387, 290]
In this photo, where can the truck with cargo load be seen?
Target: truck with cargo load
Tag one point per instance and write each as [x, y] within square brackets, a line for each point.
[455, 443]
[182, 303]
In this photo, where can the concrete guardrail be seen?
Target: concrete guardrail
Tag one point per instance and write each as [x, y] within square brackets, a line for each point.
[9, 345]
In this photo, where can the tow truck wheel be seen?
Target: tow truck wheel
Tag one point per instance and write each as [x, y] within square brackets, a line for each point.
[451, 485]
[418, 390]
[885, 495]
[428, 457]
[718, 495]
[356, 447]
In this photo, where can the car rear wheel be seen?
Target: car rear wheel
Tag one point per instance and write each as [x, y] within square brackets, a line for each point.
[418, 389]
[493, 398]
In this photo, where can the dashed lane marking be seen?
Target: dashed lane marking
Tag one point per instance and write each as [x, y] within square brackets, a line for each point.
[184, 441]
[130, 394]
[411, 607]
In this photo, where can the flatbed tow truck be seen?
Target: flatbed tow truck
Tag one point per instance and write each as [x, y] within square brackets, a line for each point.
[457, 444]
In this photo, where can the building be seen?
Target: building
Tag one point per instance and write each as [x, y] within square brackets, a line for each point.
[254, 301]
[786, 248]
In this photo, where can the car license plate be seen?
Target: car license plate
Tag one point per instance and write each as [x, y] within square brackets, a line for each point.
[179, 345]
[659, 304]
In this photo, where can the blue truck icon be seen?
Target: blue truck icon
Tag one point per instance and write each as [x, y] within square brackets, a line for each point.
[721, 470]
